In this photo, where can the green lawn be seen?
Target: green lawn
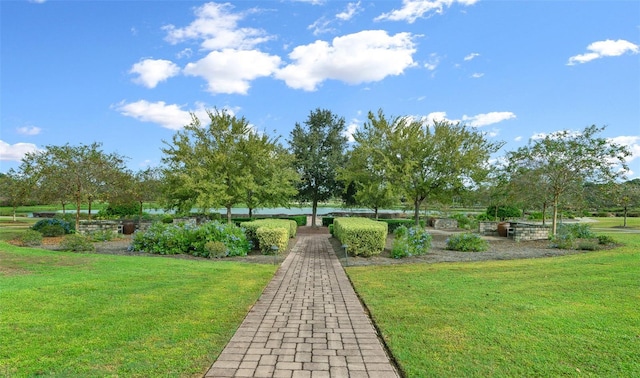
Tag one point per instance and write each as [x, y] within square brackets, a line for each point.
[88, 315]
[563, 316]
[615, 224]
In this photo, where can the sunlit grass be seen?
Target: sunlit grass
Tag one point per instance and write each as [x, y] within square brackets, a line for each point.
[616, 223]
[66, 314]
[558, 316]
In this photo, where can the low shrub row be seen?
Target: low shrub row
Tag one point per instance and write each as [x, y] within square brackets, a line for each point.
[52, 227]
[269, 233]
[413, 241]
[362, 236]
[171, 239]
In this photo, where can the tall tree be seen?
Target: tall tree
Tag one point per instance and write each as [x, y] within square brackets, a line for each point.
[319, 149]
[368, 167]
[563, 161]
[86, 171]
[216, 166]
[16, 189]
[433, 162]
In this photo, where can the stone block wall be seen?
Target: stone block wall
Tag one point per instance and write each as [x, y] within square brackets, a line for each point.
[115, 226]
[488, 228]
[528, 231]
[443, 223]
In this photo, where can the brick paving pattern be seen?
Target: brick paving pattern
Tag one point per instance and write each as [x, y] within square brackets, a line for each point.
[307, 323]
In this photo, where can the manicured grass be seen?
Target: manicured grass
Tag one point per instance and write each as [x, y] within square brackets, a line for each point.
[89, 315]
[561, 316]
[615, 223]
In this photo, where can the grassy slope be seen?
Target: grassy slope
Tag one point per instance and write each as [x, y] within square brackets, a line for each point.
[541, 317]
[66, 314]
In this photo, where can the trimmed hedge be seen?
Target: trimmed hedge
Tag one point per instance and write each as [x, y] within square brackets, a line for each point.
[326, 221]
[362, 236]
[251, 228]
[269, 237]
[395, 223]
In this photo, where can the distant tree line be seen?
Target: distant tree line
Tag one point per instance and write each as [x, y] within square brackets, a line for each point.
[393, 161]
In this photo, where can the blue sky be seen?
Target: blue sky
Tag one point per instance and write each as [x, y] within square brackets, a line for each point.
[128, 73]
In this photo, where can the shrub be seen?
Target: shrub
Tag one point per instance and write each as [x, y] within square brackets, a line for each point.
[331, 229]
[52, 230]
[576, 230]
[216, 249]
[167, 219]
[269, 237]
[563, 241]
[464, 221]
[101, 235]
[393, 224]
[43, 223]
[467, 242]
[363, 236]
[326, 221]
[252, 227]
[504, 212]
[171, 239]
[485, 217]
[587, 246]
[118, 210]
[77, 243]
[413, 241]
[606, 240]
[31, 238]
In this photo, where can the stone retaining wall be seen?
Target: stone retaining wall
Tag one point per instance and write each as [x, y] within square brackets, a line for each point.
[443, 223]
[115, 226]
[488, 228]
[528, 231]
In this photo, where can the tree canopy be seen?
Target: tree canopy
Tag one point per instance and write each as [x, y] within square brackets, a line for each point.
[224, 164]
[319, 149]
[560, 163]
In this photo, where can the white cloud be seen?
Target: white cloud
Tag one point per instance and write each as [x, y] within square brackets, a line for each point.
[153, 71]
[351, 129]
[518, 138]
[229, 71]
[477, 75]
[15, 152]
[217, 26]
[632, 143]
[433, 62]
[366, 56]
[414, 9]
[351, 10]
[471, 56]
[169, 116]
[485, 119]
[430, 118]
[601, 49]
[29, 130]
[321, 26]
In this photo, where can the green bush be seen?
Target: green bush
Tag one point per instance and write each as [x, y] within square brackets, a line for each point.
[216, 249]
[606, 240]
[326, 221]
[362, 236]
[467, 242]
[167, 219]
[414, 241]
[563, 241]
[588, 246]
[331, 229]
[504, 212]
[31, 238]
[120, 210]
[52, 230]
[77, 243]
[301, 220]
[576, 230]
[269, 237]
[393, 224]
[44, 223]
[251, 227]
[465, 221]
[171, 239]
[101, 235]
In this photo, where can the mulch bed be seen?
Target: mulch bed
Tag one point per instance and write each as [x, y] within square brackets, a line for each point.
[499, 249]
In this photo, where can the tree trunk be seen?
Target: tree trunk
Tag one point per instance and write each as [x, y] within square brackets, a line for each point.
[314, 212]
[416, 211]
[554, 220]
[250, 212]
[375, 209]
[14, 213]
[624, 222]
[229, 214]
[544, 214]
[89, 209]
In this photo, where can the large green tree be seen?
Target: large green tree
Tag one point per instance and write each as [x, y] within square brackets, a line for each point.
[434, 162]
[559, 164]
[16, 189]
[368, 167]
[85, 171]
[319, 148]
[219, 165]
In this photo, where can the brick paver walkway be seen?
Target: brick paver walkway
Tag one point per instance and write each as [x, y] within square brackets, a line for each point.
[307, 323]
